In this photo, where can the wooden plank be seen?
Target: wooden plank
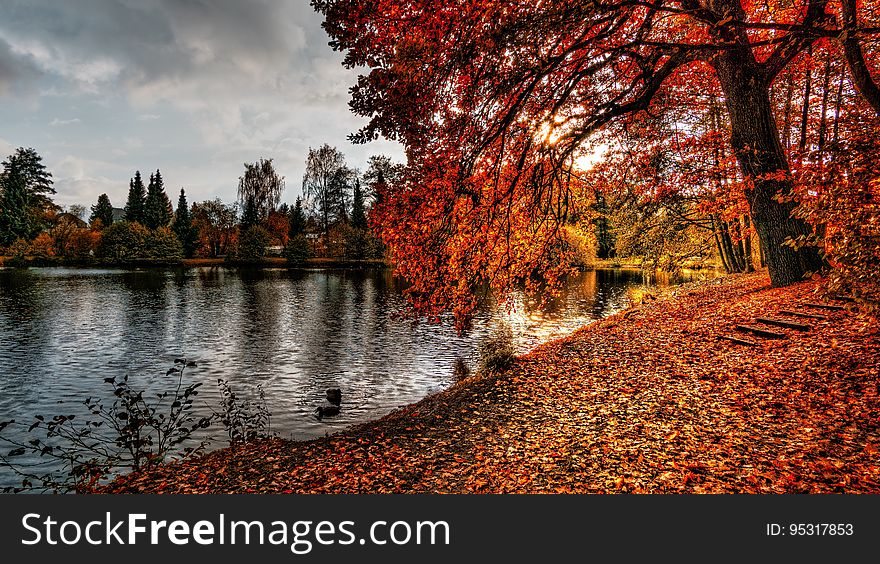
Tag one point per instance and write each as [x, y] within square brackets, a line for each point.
[825, 306]
[805, 315]
[744, 342]
[783, 323]
[761, 332]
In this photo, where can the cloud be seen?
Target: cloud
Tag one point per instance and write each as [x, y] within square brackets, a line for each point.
[232, 80]
[80, 181]
[6, 148]
[17, 71]
[58, 122]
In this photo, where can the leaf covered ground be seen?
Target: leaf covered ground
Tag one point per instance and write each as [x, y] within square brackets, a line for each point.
[648, 400]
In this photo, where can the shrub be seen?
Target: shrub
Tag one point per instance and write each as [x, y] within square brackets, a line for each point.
[42, 248]
[297, 250]
[123, 241]
[496, 351]
[359, 244]
[17, 252]
[252, 243]
[82, 244]
[135, 432]
[460, 369]
[162, 245]
[246, 420]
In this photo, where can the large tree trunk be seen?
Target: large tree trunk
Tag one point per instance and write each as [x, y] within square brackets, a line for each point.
[761, 159]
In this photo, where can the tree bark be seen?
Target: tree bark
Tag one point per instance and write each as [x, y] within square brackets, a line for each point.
[747, 244]
[762, 161]
[805, 113]
[786, 127]
[823, 111]
[855, 58]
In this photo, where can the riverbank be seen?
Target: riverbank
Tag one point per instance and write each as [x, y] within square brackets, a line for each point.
[267, 262]
[648, 400]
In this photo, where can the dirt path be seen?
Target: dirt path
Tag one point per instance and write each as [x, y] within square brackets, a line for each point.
[645, 401]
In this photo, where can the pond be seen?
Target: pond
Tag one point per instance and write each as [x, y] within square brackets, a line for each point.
[294, 333]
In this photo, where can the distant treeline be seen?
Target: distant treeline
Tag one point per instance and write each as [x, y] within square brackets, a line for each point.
[331, 220]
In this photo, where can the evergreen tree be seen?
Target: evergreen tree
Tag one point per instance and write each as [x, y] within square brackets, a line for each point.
[183, 226]
[30, 186]
[102, 211]
[137, 195]
[157, 206]
[249, 215]
[15, 221]
[38, 180]
[297, 220]
[358, 211]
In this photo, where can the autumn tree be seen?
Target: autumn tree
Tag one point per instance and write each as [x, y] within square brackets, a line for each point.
[102, 211]
[137, 197]
[157, 206]
[215, 222]
[494, 101]
[259, 191]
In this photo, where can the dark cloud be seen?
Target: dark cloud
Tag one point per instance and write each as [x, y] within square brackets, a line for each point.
[17, 72]
[146, 40]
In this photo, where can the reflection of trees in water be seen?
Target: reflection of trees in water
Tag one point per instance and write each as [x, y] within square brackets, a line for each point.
[141, 320]
[259, 334]
[24, 331]
[21, 294]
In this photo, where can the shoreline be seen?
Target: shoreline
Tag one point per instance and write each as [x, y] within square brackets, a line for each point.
[648, 400]
[267, 263]
[280, 262]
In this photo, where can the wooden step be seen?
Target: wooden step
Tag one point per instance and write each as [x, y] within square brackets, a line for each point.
[799, 314]
[761, 332]
[825, 306]
[783, 323]
[738, 341]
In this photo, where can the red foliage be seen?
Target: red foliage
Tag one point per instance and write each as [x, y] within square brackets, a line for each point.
[494, 101]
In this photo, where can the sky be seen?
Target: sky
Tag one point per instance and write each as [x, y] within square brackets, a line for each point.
[196, 88]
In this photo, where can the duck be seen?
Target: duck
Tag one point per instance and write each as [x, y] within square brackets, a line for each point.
[328, 411]
[334, 396]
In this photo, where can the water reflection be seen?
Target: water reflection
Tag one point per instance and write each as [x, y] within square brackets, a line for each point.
[296, 333]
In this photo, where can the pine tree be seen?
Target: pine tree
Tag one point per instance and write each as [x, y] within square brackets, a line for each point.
[102, 211]
[157, 206]
[137, 195]
[30, 186]
[14, 203]
[358, 211]
[249, 214]
[297, 220]
[183, 226]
